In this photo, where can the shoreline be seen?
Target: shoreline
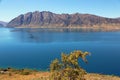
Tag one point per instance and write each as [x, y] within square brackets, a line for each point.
[26, 74]
[64, 29]
[40, 70]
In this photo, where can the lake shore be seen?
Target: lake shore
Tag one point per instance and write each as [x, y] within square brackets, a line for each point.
[95, 28]
[26, 74]
[45, 76]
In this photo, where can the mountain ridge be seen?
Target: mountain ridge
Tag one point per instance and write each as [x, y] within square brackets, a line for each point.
[46, 19]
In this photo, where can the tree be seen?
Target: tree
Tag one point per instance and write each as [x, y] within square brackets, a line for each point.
[68, 67]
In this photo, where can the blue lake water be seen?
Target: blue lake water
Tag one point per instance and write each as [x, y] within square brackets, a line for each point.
[26, 48]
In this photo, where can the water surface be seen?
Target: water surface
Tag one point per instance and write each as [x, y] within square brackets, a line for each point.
[35, 48]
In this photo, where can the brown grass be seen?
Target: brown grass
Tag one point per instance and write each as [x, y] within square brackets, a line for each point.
[45, 76]
[33, 76]
[100, 77]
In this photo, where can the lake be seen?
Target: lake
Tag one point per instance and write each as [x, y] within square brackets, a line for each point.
[35, 48]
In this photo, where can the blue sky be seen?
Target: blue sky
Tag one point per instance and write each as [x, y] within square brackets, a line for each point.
[12, 8]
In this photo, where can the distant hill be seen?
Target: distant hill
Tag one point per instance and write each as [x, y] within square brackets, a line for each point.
[48, 19]
[2, 23]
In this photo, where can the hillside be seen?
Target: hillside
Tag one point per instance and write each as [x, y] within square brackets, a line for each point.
[3, 23]
[47, 19]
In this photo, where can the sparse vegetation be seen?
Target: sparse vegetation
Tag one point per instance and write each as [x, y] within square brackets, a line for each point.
[11, 71]
[68, 67]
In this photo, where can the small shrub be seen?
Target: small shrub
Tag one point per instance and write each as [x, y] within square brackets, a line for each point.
[25, 73]
[68, 67]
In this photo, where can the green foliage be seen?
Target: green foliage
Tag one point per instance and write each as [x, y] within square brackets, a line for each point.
[68, 67]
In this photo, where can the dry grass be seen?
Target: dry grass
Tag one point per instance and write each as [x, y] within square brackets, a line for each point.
[45, 76]
[33, 76]
[100, 77]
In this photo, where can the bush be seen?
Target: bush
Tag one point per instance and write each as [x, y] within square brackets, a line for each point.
[25, 73]
[68, 67]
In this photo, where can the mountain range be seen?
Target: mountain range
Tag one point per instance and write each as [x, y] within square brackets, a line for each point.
[46, 19]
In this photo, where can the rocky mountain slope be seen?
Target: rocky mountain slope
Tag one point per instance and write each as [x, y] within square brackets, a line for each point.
[47, 19]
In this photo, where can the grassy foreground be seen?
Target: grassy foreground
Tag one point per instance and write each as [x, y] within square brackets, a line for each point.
[25, 74]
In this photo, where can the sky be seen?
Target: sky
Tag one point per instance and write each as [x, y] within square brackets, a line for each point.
[10, 9]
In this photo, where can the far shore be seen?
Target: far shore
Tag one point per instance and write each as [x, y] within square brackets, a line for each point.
[84, 29]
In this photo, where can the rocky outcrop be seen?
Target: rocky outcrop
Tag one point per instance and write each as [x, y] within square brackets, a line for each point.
[52, 20]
